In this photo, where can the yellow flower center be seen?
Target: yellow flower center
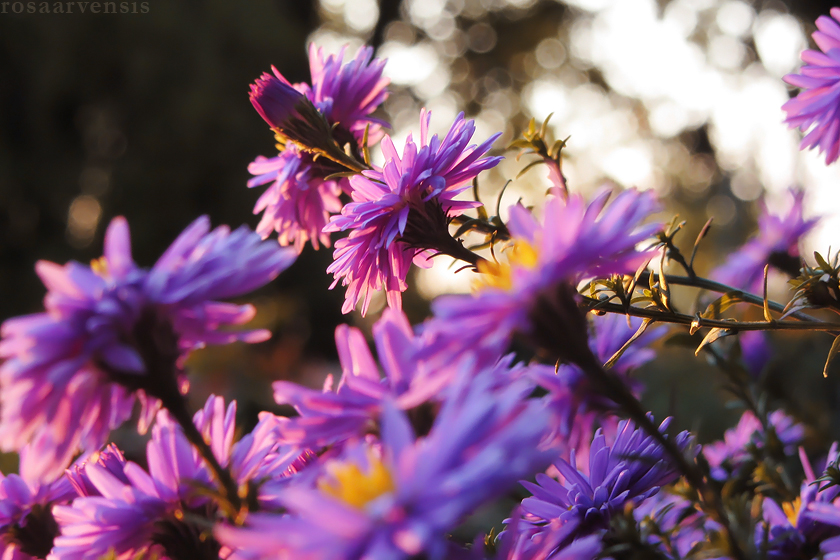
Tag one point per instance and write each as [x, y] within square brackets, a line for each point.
[791, 510]
[348, 483]
[500, 275]
[100, 267]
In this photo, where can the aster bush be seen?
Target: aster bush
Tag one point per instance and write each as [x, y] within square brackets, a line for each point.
[519, 397]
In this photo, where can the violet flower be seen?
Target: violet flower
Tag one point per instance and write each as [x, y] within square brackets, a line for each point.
[398, 498]
[734, 450]
[811, 522]
[299, 201]
[532, 294]
[130, 511]
[776, 243]
[113, 330]
[400, 212]
[27, 526]
[628, 472]
[816, 110]
[328, 418]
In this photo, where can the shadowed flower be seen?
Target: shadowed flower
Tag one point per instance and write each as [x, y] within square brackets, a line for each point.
[628, 472]
[738, 443]
[299, 200]
[533, 293]
[27, 525]
[113, 330]
[131, 512]
[399, 498]
[776, 244]
[328, 417]
[816, 110]
[811, 522]
[400, 212]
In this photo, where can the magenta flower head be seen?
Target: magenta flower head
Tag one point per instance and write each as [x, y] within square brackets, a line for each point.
[629, 471]
[398, 498]
[533, 293]
[353, 409]
[776, 243]
[402, 211]
[130, 511]
[113, 331]
[299, 201]
[27, 525]
[275, 99]
[816, 110]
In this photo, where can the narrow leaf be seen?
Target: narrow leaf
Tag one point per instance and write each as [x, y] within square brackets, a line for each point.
[712, 336]
[724, 302]
[835, 347]
[639, 332]
[767, 316]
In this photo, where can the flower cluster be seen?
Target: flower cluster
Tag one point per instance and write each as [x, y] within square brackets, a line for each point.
[522, 384]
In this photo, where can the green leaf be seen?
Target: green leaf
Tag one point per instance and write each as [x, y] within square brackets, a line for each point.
[724, 302]
[822, 262]
[835, 347]
[712, 336]
[527, 167]
[639, 332]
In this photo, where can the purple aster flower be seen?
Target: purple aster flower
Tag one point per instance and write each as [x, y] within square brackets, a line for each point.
[299, 201]
[776, 243]
[735, 449]
[816, 110]
[398, 498]
[533, 294]
[400, 212]
[796, 529]
[679, 528]
[577, 408]
[512, 545]
[114, 330]
[27, 526]
[630, 471]
[130, 512]
[328, 417]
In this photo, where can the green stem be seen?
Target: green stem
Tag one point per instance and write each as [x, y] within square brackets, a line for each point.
[683, 319]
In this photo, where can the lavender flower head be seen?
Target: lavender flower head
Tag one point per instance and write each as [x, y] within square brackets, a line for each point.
[811, 521]
[402, 210]
[299, 201]
[628, 472]
[816, 110]
[129, 511]
[398, 498]
[734, 450]
[776, 243]
[113, 330]
[27, 526]
[544, 263]
[353, 409]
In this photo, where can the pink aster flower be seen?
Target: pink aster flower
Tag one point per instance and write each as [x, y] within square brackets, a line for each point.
[816, 110]
[398, 498]
[129, 511]
[114, 331]
[27, 526]
[299, 200]
[533, 294]
[400, 212]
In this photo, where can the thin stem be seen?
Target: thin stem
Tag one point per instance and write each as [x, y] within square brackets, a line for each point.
[227, 486]
[612, 387]
[712, 286]
[683, 319]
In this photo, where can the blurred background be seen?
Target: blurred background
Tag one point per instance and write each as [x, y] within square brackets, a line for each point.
[147, 116]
